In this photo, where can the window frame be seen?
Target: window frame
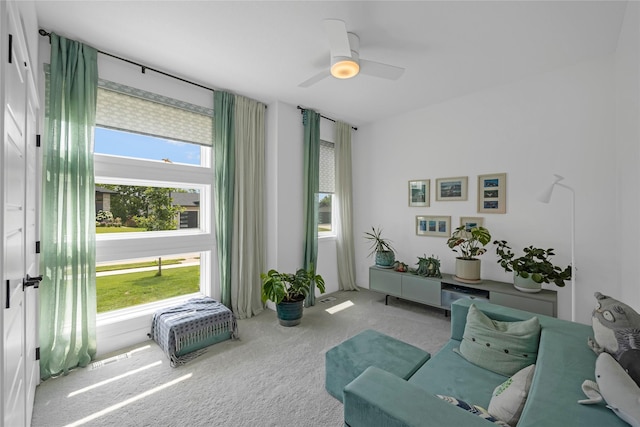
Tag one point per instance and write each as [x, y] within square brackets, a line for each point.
[330, 183]
[110, 169]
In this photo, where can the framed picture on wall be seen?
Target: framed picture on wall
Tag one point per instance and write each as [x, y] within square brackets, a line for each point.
[470, 222]
[430, 225]
[419, 192]
[451, 189]
[492, 193]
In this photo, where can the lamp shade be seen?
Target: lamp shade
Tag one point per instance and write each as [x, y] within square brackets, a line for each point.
[545, 197]
[344, 67]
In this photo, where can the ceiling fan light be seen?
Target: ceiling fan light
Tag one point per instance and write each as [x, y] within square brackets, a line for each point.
[345, 68]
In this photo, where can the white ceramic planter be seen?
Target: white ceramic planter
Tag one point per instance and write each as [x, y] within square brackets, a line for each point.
[468, 269]
[526, 285]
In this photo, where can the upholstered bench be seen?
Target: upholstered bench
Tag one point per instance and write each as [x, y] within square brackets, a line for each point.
[346, 361]
[183, 330]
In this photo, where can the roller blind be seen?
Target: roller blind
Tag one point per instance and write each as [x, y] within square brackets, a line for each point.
[134, 110]
[327, 167]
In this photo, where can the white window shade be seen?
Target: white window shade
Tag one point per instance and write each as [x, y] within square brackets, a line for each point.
[124, 108]
[327, 167]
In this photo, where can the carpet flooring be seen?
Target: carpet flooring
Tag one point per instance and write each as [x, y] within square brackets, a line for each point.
[271, 376]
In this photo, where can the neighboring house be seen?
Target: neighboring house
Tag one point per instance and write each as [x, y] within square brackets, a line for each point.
[103, 199]
[189, 218]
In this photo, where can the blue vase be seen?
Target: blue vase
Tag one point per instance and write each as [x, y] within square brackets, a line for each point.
[290, 312]
[385, 259]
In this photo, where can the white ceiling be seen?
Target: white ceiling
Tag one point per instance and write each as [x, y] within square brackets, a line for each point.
[264, 49]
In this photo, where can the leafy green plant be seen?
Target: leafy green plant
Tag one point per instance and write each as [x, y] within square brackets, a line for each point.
[378, 243]
[428, 266]
[279, 287]
[145, 207]
[535, 263]
[469, 243]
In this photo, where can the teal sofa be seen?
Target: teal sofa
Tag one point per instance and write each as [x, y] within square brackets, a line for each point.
[378, 398]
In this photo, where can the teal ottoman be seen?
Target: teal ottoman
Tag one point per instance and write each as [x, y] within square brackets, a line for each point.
[346, 361]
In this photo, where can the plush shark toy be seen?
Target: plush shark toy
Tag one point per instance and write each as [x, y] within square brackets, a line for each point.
[616, 330]
[615, 386]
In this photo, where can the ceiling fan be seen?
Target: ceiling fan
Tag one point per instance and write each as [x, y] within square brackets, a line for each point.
[345, 57]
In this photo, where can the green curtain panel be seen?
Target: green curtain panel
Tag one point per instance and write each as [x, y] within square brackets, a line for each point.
[248, 254]
[311, 122]
[68, 289]
[345, 246]
[224, 175]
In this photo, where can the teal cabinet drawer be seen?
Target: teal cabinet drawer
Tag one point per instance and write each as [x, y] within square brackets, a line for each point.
[421, 289]
[387, 282]
[523, 303]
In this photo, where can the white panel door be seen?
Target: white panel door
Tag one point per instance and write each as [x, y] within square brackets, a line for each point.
[18, 227]
[32, 367]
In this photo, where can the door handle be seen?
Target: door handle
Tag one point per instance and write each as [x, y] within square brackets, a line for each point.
[31, 281]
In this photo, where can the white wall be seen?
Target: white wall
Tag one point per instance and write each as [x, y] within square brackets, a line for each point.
[628, 155]
[284, 188]
[559, 122]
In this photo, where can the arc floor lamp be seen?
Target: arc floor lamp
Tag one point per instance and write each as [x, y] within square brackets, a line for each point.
[546, 198]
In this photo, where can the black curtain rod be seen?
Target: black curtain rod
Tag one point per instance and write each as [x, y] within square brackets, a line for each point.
[324, 117]
[144, 68]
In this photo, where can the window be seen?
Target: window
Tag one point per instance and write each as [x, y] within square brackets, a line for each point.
[153, 198]
[326, 215]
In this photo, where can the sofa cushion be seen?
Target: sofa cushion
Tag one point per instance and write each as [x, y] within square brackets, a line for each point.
[501, 347]
[509, 397]
[564, 362]
[474, 409]
[449, 374]
[345, 361]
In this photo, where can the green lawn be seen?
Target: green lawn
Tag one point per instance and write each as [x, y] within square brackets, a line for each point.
[126, 290]
[113, 267]
[104, 230]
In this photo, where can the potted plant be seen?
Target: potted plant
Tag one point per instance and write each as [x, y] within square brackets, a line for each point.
[381, 247]
[532, 269]
[468, 243]
[288, 291]
[428, 267]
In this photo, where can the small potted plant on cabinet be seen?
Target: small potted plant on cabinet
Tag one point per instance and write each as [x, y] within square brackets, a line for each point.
[381, 247]
[288, 291]
[468, 243]
[532, 269]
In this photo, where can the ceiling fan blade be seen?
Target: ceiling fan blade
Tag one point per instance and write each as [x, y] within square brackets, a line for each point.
[315, 79]
[378, 69]
[338, 39]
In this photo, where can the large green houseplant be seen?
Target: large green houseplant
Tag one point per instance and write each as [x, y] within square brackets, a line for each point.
[533, 268]
[288, 291]
[381, 248]
[469, 244]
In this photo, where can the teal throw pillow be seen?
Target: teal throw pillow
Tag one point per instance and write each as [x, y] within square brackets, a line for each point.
[501, 347]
